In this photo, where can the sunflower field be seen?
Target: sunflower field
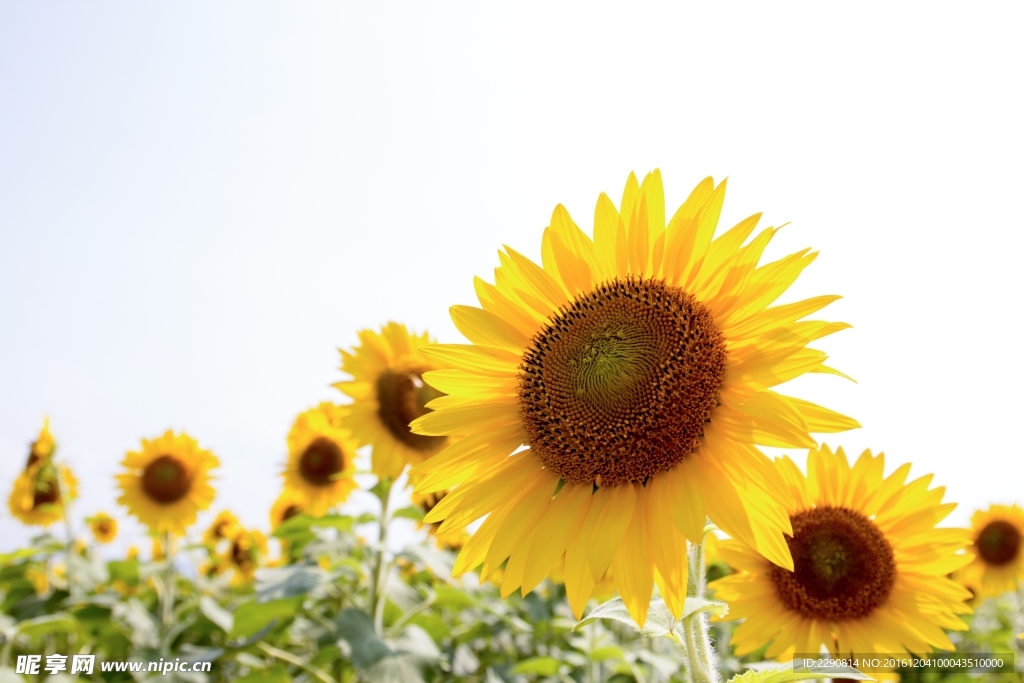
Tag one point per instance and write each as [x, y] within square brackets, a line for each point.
[588, 473]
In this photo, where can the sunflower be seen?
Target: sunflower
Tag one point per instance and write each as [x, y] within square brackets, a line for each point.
[998, 565]
[247, 548]
[103, 527]
[43, 447]
[871, 569]
[167, 482]
[224, 526]
[320, 461]
[453, 540]
[388, 393]
[37, 497]
[288, 505]
[638, 368]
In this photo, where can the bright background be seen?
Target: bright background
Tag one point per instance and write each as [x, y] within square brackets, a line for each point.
[199, 202]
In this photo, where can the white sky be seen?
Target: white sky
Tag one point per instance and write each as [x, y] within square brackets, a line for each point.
[199, 202]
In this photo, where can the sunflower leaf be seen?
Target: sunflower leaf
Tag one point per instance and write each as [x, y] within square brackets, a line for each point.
[356, 628]
[660, 621]
[217, 614]
[698, 605]
[410, 512]
[786, 672]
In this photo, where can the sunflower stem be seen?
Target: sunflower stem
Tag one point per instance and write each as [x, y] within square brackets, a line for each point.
[380, 570]
[64, 502]
[703, 667]
[167, 596]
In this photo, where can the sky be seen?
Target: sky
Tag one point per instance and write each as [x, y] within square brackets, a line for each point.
[201, 202]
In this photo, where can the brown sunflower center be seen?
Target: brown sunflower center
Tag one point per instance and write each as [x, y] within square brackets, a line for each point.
[998, 543]
[321, 462]
[621, 382]
[241, 553]
[47, 492]
[166, 480]
[290, 511]
[843, 566]
[429, 501]
[402, 397]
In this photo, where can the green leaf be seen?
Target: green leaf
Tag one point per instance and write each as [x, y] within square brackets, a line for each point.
[452, 598]
[286, 582]
[274, 674]
[698, 605]
[411, 512]
[326, 656]
[659, 620]
[601, 654]
[217, 614]
[51, 623]
[785, 673]
[542, 666]
[125, 570]
[251, 617]
[356, 628]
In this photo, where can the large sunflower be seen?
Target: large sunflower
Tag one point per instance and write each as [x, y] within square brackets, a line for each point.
[167, 482]
[998, 536]
[871, 570]
[638, 367]
[321, 460]
[37, 497]
[388, 393]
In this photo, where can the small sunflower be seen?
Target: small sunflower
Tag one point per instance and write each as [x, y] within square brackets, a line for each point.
[167, 482]
[388, 393]
[639, 367]
[998, 536]
[37, 497]
[871, 569]
[244, 554]
[321, 461]
[453, 540]
[43, 447]
[223, 527]
[103, 527]
[288, 505]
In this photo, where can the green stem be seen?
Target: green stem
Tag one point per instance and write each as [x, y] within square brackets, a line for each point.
[703, 666]
[64, 504]
[380, 569]
[167, 597]
[593, 671]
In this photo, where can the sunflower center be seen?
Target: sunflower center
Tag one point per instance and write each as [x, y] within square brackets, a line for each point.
[402, 397]
[321, 461]
[843, 566]
[620, 383]
[166, 480]
[47, 492]
[241, 554]
[998, 543]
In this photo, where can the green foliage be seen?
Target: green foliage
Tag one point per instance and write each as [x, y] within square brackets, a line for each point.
[784, 674]
[309, 619]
